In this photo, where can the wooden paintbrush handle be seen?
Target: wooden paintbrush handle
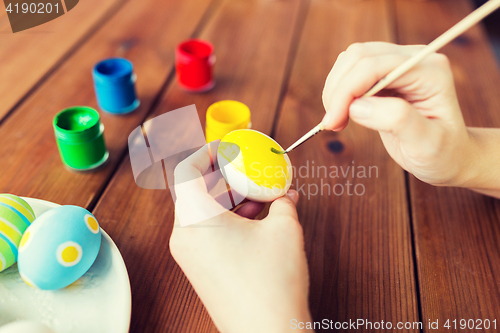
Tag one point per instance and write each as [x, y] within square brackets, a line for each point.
[452, 33]
[455, 31]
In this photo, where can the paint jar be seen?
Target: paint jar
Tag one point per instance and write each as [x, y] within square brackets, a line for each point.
[194, 61]
[114, 84]
[80, 138]
[224, 117]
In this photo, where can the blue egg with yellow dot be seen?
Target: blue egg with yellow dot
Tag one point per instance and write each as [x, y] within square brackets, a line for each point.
[59, 247]
[16, 215]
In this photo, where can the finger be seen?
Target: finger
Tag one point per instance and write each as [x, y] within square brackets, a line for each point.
[355, 52]
[200, 164]
[193, 203]
[213, 174]
[394, 115]
[285, 206]
[194, 166]
[341, 126]
[357, 82]
[214, 180]
[212, 150]
[230, 199]
[251, 209]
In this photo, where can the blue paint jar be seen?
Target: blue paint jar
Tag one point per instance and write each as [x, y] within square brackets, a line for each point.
[114, 83]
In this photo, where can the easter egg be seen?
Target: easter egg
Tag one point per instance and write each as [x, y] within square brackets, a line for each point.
[251, 168]
[59, 247]
[15, 216]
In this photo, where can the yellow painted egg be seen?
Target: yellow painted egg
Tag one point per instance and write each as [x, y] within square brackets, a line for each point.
[251, 168]
[16, 216]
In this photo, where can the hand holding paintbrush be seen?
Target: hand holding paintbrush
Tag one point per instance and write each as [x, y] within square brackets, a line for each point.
[404, 67]
[422, 128]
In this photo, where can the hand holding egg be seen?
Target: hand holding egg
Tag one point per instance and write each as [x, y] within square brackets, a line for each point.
[260, 257]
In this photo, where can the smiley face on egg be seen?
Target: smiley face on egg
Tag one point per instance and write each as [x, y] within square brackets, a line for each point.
[59, 247]
[251, 168]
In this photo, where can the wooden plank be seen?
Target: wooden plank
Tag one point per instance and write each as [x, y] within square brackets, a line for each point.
[252, 42]
[358, 245]
[21, 63]
[457, 231]
[27, 144]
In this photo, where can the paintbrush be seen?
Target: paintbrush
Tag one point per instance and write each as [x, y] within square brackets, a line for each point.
[455, 31]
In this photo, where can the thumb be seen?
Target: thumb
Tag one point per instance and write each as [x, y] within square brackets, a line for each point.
[391, 114]
[285, 206]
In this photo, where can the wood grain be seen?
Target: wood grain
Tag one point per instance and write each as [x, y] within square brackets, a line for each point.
[146, 33]
[358, 245]
[27, 57]
[252, 41]
[273, 56]
[457, 232]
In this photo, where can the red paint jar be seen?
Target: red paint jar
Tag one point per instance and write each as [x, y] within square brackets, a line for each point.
[194, 61]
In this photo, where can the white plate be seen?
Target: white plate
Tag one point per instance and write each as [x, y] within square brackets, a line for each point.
[100, 301]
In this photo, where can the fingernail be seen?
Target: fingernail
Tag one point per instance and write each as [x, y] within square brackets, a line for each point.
[327, 119]
[360, 108]
[293, 195]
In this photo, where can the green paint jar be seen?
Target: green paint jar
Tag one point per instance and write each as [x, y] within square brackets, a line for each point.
[80, 138]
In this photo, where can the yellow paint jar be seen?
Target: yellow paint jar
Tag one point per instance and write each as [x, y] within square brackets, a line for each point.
[224, 117]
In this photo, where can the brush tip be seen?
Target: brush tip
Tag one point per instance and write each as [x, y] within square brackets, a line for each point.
[276, 151]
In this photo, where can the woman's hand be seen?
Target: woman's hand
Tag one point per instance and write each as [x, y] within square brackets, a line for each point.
[420, 123]
[251, 275]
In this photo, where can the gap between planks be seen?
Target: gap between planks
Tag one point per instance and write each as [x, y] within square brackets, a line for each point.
[214, 5]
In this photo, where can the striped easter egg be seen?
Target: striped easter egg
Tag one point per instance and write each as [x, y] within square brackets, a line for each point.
[15, 216]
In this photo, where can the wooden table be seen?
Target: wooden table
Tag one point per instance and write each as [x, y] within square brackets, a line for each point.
[403, 251]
